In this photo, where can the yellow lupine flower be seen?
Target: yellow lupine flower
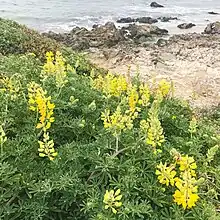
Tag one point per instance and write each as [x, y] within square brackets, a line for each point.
[133, 98]
[111, 85]
[117, 122]
[39, 102]
[144, 95]
[166, 174]
[46, 147]
[193, 125]
[187, 163]
[164, 87]
[112, 200]
[186, 194]
[10, 86]
[152, 128]
[55, 66]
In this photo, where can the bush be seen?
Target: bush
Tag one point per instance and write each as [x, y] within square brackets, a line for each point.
[93, 157]
[16, 39]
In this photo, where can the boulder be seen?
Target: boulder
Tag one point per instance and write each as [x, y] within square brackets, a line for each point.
[213, 28]
[161, 42]
[100, 36]
[126, 20]
[146, 20]
[53, 35]
[105, 35]
[136, 32]
[79, 31]
[95, 26]
[156, 5]
[186, 25]
[167, 19]
[213, 13]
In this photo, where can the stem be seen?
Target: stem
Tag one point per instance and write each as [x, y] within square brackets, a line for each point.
[59, 92]
[120, 151]
[2, 148]
[4, 121]
[36, 119]
[117, 143]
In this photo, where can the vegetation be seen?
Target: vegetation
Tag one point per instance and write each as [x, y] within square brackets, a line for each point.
[98, 146]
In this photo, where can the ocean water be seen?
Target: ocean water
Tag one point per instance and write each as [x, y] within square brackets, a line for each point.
[63, 15]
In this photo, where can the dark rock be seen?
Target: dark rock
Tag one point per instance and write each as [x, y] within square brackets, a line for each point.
[213, 28]
[107, 35]
[79, 30]
[53, 35]
[146, 20]
[100, 36]
[167, 19]
[95, 25]
[213, 13]
[126, 20]
[143, 32]
[186, 25]
[161, 42]
[156, 5]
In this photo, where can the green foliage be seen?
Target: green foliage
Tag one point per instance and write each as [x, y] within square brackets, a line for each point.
[73, 185]
[16, 38]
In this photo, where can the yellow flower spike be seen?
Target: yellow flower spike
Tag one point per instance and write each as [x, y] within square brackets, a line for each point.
[166, 174]
[10, 85]
[133, 99]
[152, 129]
[164, 87]
[145, 95]
[46, 147]
[187, 163]
[111, 85]
[115, 123]
[55, 66]
[193, 126]
[39, 102]
[186, 193]
[112, 200]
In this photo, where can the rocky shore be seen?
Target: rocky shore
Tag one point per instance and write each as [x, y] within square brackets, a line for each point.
[192, 61]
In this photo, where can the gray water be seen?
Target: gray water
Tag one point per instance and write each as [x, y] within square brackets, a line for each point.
[63, 15]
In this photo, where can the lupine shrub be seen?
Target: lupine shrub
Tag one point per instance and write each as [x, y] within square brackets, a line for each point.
[18, 39]
[101, 147]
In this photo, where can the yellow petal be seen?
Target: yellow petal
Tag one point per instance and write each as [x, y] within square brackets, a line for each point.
[118, 204]
[114, 210]
[42, 154]
[118, 197]
[117, 192]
